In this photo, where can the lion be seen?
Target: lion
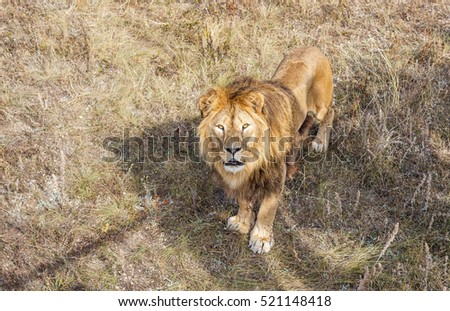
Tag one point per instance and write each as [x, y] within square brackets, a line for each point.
[250, 130]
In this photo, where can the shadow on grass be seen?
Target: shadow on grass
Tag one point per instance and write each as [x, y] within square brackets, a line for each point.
[50, 268]
[192, 212]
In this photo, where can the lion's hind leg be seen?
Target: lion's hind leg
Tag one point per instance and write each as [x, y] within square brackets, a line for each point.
[322, 140]
[306, 128]
[299, 140]
[291, 157]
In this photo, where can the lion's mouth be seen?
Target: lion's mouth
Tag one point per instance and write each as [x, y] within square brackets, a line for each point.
[234, 162]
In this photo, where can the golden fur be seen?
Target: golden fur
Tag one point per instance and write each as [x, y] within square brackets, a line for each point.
[251, 128]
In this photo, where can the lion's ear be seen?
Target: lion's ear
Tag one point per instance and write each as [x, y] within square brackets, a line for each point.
[257, 101]
[205, 101]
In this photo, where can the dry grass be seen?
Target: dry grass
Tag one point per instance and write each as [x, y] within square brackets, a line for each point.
[76, 72]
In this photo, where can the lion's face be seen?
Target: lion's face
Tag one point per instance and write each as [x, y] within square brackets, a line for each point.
[239, 135]
[232, 132]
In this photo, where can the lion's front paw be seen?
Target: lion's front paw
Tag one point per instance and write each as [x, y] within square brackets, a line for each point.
[261, 240]
[236, 224]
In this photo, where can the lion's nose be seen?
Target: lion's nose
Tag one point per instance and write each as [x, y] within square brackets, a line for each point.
[232, 150]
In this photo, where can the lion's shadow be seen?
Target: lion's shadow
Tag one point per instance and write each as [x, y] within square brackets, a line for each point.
[192, 211]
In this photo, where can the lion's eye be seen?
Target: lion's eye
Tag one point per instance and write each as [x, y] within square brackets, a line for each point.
[220, 127]
[245, 126]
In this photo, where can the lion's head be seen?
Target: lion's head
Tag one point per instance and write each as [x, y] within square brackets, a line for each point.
[240, 129]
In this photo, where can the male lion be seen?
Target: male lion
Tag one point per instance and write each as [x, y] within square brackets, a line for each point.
[250, 129]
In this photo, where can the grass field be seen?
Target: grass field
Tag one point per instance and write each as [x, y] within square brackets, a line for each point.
[371, 215]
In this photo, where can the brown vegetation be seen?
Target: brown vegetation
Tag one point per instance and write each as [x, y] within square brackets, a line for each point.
[373, 215]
